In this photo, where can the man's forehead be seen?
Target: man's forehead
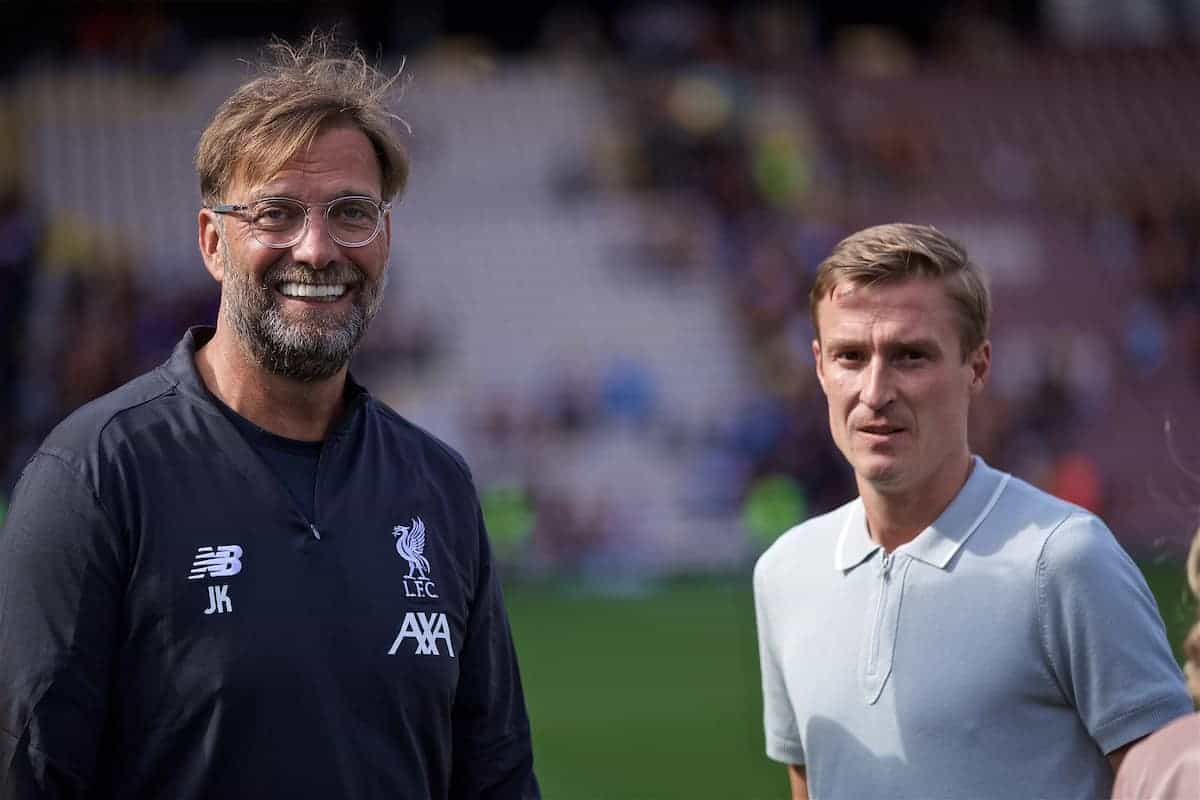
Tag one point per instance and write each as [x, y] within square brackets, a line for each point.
[926, 295]
[886, 325]
[910, 309]
[281, 185]
[339, 151]
[917, 286]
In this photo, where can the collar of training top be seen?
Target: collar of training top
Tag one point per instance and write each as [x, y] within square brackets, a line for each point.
[181, 367]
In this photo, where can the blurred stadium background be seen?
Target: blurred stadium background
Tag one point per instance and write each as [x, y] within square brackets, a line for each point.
[599, 281]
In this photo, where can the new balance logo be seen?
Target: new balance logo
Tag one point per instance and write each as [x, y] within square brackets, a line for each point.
[426, 629]
[209, 563]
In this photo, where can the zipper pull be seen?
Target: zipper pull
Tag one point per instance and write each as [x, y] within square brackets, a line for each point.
[316, 532]
[885, 565]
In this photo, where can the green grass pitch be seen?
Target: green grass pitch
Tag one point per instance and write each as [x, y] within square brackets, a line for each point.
[654, 695]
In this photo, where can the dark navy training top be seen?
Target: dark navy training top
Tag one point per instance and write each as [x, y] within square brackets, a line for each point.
[172, 625]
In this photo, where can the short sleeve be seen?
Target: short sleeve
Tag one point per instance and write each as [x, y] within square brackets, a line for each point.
[1103, 636]
[782, 734]
[493, 752]
[61, 590]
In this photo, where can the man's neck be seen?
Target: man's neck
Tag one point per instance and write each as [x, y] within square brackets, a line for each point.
[896, 518]
[284, 406]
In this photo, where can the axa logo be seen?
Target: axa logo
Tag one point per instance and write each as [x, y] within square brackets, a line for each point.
[426, 630]
[216, 563]
[410, 544]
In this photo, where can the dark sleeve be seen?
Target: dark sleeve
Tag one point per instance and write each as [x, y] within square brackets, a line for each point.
[61, 589]
[493, 754]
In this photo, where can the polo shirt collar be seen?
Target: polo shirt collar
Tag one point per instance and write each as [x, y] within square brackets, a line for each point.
[937, 544]
[854, 544]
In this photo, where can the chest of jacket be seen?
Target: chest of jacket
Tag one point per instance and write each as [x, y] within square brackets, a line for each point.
[237, 600]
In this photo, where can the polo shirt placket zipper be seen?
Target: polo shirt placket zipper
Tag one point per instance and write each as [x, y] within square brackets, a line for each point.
[885, 569]
[872, 675]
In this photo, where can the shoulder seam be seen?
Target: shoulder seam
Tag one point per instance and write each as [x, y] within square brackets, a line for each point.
[145, 401]
[124, 410]
[115, 413]
[1040, 593]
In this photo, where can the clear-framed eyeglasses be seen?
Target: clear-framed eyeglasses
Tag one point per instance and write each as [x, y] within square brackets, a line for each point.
[281, 222]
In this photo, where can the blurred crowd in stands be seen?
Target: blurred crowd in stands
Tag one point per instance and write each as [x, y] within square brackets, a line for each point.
[752, 141]
[752, 157]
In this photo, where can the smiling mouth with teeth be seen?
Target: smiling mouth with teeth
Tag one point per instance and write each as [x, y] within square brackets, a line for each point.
[330, 291]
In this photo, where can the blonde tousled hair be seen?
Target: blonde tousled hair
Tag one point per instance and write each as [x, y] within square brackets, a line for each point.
[298, 90]
[901, 251]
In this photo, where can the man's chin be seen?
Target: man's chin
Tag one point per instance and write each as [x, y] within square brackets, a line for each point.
[882, 472]
[303, 353]
[303, 365]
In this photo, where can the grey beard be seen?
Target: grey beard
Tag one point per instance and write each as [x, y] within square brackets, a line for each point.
[311, 349]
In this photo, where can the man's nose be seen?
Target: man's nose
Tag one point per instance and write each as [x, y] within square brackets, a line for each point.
[878, 386]
[316, 248]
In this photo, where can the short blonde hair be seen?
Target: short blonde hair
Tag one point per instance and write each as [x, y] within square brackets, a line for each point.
[900, 251]
[1191, 645]
[297, 92]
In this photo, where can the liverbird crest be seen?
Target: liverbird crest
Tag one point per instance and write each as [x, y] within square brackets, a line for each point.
[410, 544]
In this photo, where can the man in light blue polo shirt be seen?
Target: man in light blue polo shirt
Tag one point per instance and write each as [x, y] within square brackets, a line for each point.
[953, 632]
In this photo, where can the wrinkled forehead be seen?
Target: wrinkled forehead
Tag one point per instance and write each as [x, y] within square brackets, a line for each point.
[337, 144]
[249, 170]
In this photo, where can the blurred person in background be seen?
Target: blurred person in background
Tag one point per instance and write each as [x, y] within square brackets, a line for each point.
[1166, 766]
[953, 631]
[241, 575]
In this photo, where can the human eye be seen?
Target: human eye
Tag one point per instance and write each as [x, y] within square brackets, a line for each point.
[354, 211]
[276, 214]
[911, 356]
[848, 356]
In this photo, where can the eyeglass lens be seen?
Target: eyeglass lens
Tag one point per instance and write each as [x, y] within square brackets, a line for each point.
[349, 220]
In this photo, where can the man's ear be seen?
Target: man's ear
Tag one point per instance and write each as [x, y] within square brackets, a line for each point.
[816, 351]
[981, 366]
[210, 235]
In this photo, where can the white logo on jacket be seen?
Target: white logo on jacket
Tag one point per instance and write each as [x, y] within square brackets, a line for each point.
[410, 544]
[219, 563]
[426, 629]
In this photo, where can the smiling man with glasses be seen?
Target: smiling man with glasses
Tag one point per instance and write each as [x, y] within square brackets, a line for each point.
[298, 289]
[241, 575]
